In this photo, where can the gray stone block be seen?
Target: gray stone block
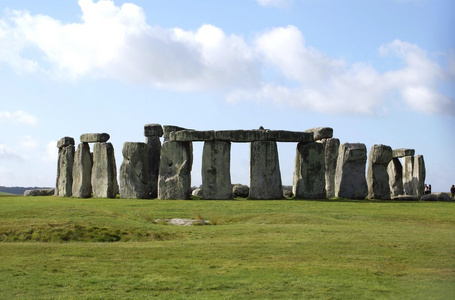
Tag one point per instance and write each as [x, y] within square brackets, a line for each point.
[331, 146]
[395, 172]
[94, 137]
[350, 180]
[82, 172]
[216, 170]
[320, 133]
[64, 186]
[377, 176]
[154, 153]
[104, 171]
[134, 171]
[402, 152]
[65, 141]
[309, 171]
[167, 129]
[192, 136]
[153, 130]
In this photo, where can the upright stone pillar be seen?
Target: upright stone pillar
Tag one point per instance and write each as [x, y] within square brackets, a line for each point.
[134, 171]
[309, 171]
[104, 171]
[377, 176]
[152, 133]
[395, 171]
[408, 172]
[216, 170]
[174, 181]
[64, 184]
[82, 172]
[265, 176]
[350, 181]
[419, 174]
[331, 146]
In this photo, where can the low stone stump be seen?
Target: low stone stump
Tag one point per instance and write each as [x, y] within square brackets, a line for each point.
[174, 181]
[377, 176]
[265, 176]
[240, 190]
[216, 170]
[39, 192]
[437, 197]
[82, 172]
[309, 171]
[350, 181]
[104, 171]
[134, 171]
[64, 185]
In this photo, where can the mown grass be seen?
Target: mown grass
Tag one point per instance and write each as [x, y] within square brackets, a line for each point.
[61, 248]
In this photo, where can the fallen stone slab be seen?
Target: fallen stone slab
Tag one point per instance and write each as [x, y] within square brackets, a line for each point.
[405, 197]
[320, 133]
[94, 137]
[402, 152]
[39, 192]
[192, 136]
[436, 197]
[183, 222]
[153, 130]
[65, 141]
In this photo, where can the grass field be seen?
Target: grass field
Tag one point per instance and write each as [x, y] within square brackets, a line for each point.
[62, 248]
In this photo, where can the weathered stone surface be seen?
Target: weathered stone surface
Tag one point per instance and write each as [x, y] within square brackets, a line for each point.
[39, 192]
[104, 171]
[408, 170]
[377, 176]
[395, 171]
[402, 152]
[350, 181]
[265, 176]
[436, 197]
[287, 194]
[95, 137]
[153, 130]
[418, 177]
[175, 171]
[197, 192]
[247, 136]
[82, 172]
[65, 141]
[192, 135]
[216, 170]
[331, 146]
[134, 171]
[167, 129]
[154, 153]
[405, 197]
[240, 190]
[320, 133]
[309, 171]
[65, 171]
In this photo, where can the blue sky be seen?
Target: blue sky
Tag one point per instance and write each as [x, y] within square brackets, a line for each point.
[377, 72]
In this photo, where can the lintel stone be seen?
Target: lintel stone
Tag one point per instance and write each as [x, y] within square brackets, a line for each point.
[65, 141]
[247, 136]
[94, 137]
[167, 129]
[153, 130]
[402, 152]
[192, 135]
[320, 133]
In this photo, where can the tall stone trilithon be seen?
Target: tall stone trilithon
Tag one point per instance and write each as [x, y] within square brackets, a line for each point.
[174, 181]
[350, 180]
[64, 184]
[134, 171]
[265, 176]
[82, 172]
[216, 170]
[104, 171]
[377, 176]
[309, 172]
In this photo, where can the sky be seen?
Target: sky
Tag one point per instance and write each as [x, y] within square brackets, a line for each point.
[377, 72]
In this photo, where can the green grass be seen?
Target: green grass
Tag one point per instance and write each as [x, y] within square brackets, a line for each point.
[61, 248]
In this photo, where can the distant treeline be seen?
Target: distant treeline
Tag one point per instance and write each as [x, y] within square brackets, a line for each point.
[18, 190]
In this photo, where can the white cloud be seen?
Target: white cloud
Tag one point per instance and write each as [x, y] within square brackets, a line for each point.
[50, 152]
[7, 153]
[275, 3]
[18, 116]
[278, 66]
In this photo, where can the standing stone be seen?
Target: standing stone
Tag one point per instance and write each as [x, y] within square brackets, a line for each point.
[395, 171]
[64, 184]
[175, 170]
[134, 171]
[82, 172]
[265, 176]
[350, 181]
[104, 171]
[152, 133]
[331, 146]
[216, 170]
[377, 176]
[419, 174]
[408, 172]
[309, 171]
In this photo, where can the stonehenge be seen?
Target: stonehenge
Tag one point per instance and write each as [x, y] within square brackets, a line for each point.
[160, 167]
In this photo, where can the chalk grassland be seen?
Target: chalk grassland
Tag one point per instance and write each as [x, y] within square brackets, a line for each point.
[63, 248]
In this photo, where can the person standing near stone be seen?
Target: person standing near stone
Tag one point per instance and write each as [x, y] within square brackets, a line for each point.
[452, 190]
